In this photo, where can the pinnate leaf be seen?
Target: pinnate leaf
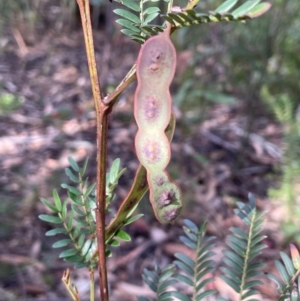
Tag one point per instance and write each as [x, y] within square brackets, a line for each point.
[71, 189]
[72, 177]
[50, 219]
[295, 256]
[62, 243]
[73, 164]
[48, 204]
[68, 253]
[245, 8]
[259, 9]
[226, 6]
[127, 15]
[57, 200]
[121, 234]
[56, 231]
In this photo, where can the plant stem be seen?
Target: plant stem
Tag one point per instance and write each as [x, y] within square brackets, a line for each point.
[102, 128]
[129, 78]
[102, 112]
[92, 285]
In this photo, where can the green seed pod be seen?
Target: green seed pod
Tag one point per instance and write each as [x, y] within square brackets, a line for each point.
[152, 110]
[165, 196]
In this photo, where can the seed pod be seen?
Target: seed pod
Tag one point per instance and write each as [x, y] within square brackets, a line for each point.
[152, 110]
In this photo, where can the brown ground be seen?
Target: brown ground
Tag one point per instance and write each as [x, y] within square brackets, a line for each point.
[216, 163]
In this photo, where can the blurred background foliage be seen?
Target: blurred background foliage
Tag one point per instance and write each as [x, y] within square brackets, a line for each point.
[257, 64]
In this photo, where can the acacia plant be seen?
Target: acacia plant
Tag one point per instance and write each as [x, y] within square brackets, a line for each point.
[82, 216]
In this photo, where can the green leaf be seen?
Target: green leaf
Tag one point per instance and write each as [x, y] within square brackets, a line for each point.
[57, 200]
[184, 279]
[77, 231]
[68, 253]
[79, 265]
[259, 10]
[191, 225]
[72, 177]
[89, 190]
[86, 247]
[75, 258]
[170, 20]
[151, 10]
[121, 234]
[70, 222]
[127, 15]
[48, 204]
[81, 240]
[165, 285]
[151, 275]
[133, 219]
[127, 32]
[81, 221]
[64, 210]
[50, 219]
[205, 294]
[71, 189]
[282, 271]
[252, 283]
[231, 283]
[114, 170]
[56, 231]
[150, 18]
[276, 280]
[226, 6]
[176, 18]
[167, 272]
[139, 40]
[238, 232]
[178, 295]
[244, 8]
[77, 210]
[83, 170]
[184, 267]
[121, 173]
[192, 245]
[232, 264]
[114, 243]
[73, 164]
[248, 294]
[62, 243]
[152, 285]
[190, 234]
[288, 263]
[132, 5]
[295, 257]
[128, 25]
[185, 259]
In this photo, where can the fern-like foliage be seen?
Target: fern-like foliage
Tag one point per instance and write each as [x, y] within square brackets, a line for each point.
[136, 18]
[248, 10]
[159, 281]
[76, 215]
[241, 272]
[199, 271]
[289, 271]
[196, 273]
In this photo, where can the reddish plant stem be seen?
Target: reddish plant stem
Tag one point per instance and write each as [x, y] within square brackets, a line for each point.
[102, 129]
[102, 112]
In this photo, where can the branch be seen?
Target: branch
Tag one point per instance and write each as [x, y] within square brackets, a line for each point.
[102, 112]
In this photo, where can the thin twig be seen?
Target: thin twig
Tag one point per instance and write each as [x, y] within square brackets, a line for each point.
[102, 112]
[129, 78]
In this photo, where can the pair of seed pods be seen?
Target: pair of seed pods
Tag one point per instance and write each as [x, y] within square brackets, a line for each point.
[152, 110]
